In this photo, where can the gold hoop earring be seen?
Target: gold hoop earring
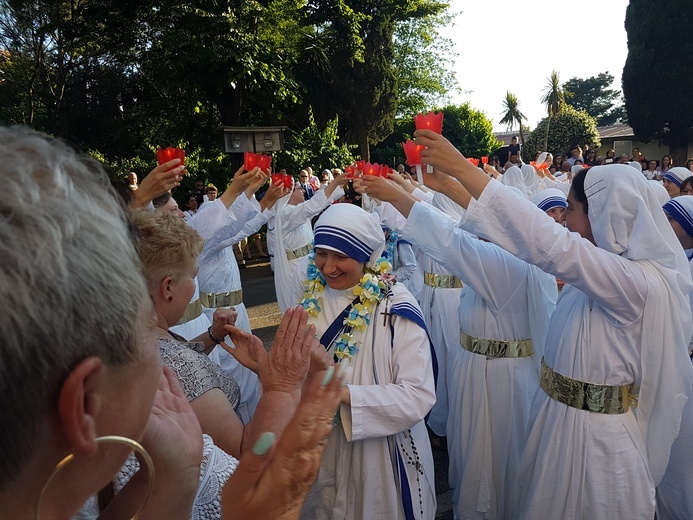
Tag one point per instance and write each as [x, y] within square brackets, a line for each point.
[116, 439]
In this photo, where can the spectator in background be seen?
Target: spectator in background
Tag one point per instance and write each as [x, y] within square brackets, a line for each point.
[327, 178]
[576, 153]
[650, 172]
[199, 192]
[400, 169]
[558, 161]
[609, 157]
[591, 158]
[190, 205]
[689, 164]
[211, 193]
[303, 180]
[513, 149]
[636, 155]
[132, 181]
[664, 166]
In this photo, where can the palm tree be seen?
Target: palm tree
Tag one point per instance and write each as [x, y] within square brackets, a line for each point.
[513, 115]
[554, 99]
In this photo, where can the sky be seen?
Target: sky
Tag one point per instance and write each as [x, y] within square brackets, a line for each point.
[505, 45]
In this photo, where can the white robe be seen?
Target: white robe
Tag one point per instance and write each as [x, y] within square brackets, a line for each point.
[392, 389]
[488, 399]
[218, 272]
[296, 231]
[579, 464]
[675, 491]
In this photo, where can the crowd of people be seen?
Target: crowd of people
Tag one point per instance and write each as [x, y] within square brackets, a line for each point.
[532, 319]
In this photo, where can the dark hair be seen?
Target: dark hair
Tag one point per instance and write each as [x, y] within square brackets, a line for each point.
[578, 188]
[161, 199]
[687, 181]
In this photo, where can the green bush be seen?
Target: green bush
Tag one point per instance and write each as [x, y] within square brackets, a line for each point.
[569, 127]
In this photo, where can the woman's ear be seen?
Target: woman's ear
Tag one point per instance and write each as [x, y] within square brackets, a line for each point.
[78, 405]
[166, 289]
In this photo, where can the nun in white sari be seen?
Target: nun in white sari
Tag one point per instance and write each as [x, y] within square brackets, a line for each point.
[675, 491]
[617, 340]
[378, 462]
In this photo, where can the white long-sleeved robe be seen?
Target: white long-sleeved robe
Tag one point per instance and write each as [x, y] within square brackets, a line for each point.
[488, 399]
[392, 390]
[218, 272]
[579, 464]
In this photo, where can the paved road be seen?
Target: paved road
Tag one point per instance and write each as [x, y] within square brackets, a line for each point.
[261, 301]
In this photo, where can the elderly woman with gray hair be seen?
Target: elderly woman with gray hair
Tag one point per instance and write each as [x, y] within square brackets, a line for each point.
[78, 325]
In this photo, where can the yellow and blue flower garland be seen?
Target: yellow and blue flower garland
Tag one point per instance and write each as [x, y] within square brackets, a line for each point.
[370, 290]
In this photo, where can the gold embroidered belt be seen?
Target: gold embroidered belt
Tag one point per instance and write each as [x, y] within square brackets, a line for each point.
[223, 299]
[586, 396]
[192, 311]
[443, 281]
[300, 252]
[497, 348]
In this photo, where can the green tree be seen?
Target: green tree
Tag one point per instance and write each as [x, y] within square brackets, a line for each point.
[657, 72]
[569, 127]
[554, 99]
[360, 82]
[314, 147]
[469, 130]
[424, 63]
[594, 96]
[512, 115]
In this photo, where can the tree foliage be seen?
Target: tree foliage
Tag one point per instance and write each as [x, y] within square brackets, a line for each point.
[122, 78]
[512, 114]
[594, 96]
[658, 71]
[569, 127]
[316, 148]
[469, 130]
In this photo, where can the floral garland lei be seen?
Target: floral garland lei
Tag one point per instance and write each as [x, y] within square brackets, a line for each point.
[371, 289]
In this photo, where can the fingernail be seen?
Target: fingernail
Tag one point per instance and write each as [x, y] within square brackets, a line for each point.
[328, 376]
[264, 443]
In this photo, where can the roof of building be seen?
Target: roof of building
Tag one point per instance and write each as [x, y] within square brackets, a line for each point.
[615, 131]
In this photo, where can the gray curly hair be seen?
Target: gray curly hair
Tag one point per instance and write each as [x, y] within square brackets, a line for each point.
[71, 283]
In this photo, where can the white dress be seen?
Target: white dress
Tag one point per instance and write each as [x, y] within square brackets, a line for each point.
[675, 491]
[579, 464]
[489, 400]
[218, 273]
[292, 227]
[382, 435]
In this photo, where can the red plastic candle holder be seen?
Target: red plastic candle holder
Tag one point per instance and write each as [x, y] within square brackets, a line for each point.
[431, 121]
[413, 152]
[474, 161]
[484, 159]
[288, 181]
[164, 155]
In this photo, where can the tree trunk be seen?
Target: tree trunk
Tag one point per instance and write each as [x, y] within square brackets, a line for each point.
[679, 155]
[522, 143]
[364, 146]
[546, 135]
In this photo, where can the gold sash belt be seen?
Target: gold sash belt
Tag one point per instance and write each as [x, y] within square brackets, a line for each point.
[586, 396]
[497, 348]
[300, 252]
[443, 281]
[192, 311]
[223, 299]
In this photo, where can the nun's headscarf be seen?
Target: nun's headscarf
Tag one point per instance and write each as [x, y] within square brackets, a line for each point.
[350, 230]
[677, 174]
[525, 180]
[626, 217]
[681, 210]
[550, 198]
[447, 205]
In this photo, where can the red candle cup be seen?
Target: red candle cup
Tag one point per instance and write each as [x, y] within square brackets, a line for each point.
[349, 170]
[250, 160]
[360, 165]
[371, 169]
[484, 159]
[430, 121]
[413, 152]
[288, 181]
[277, 177]
[474, 161]
[164, 155]
[264, 162]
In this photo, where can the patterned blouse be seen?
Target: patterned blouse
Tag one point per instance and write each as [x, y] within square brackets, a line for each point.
[196, 373]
